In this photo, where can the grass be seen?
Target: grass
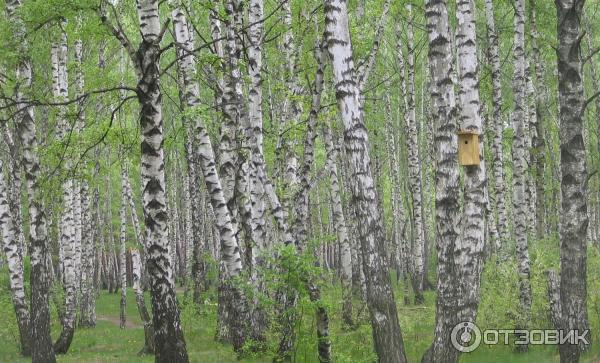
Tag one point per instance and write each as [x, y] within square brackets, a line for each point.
[108, 343]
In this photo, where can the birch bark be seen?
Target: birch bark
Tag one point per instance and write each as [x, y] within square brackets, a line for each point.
[380, 298]
[520, 168]
[14, 257]
[122, 251]
[170, 343]
[470, 249]
[141, 304]
[574, 218]
[42, 348]
[68, 223]
[414, 168]
[230, 252]
[498, 126]
[538, 151]
[87, 305]
[447, 194]
[339, 221]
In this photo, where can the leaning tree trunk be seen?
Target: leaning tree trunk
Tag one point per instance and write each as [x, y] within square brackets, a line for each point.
[380, 297]
[574, 218]
[447, 194]
[14, 257]
[520, 169]
[42, 348]
[366, 66]
[229, 246]
[230, 252]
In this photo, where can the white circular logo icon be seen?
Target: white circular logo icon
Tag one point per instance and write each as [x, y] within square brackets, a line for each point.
[465, 337]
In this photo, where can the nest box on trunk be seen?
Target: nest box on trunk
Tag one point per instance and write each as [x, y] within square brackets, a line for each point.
[468, 147]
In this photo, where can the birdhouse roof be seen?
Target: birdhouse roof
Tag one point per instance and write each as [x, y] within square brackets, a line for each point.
[468, 132]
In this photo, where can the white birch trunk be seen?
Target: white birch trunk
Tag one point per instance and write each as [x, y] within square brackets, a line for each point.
[414, 169]
[291, 113]
[141, 304]
[69, 218]
[87, 316]
[227, 231]
[538, 143]
[380, 297]
[14, 258]
[447, 192]
[170, 343]
[520, 168]
[87, 305]
[574, 219]
[470, 248]
[339, 222]
[498, 127]
[256, 190]
[122, 251]
[42, 348]
[229, 245]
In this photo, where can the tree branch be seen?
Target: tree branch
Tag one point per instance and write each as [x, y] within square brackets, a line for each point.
[364, 69]
[588, 101]
[118, 32]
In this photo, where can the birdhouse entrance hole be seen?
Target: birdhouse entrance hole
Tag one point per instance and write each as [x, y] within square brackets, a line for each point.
[468, 147]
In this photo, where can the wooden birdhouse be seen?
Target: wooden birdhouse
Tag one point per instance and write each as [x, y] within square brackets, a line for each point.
[468, 147]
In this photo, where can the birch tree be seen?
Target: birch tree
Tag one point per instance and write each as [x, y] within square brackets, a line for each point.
[87, 304]
[230, 252]
[255, 133]
[170, 344]
[42, 348]
[497, 122]
[68, 223]
[460, 251]
[123, 252]
[414, 169]
[571, 313]
[14, 257]
[447, 204]
[538, 153]
[339, 221]
[520, 168]
[380, 297]
[139, 299]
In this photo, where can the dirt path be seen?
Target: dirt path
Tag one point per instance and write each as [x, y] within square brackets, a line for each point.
[116, 321]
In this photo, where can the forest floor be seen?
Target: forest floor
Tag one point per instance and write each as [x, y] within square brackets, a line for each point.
[108, 343]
